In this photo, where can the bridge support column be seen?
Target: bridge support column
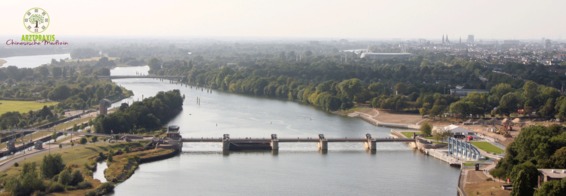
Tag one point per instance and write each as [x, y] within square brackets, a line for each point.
[371, 146]
[225, 147]
[275, 145]
[226, 144]
[323, 146]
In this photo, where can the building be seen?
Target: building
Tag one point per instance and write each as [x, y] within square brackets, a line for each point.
[550, 174]
[471, 39]
[547, 44]
[103, 106]
[464, 92]
[385, 56]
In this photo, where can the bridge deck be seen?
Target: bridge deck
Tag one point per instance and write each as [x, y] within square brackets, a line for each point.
[136, 76]
[299, 140]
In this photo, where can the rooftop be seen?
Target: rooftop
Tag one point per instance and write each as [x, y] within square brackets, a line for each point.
[553, 173]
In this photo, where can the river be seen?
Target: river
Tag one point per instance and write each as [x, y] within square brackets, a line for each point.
[298, 169]
[33, 61]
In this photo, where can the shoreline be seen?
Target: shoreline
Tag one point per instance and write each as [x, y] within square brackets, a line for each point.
[2, 62]
[385, 119]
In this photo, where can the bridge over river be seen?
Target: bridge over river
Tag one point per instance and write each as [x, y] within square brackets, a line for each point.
[141, 76]
[238, 144]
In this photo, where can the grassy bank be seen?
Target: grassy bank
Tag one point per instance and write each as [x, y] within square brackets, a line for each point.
[123, 166]
[409, 134]
[22, 106]
[488, 147]
[83, 157]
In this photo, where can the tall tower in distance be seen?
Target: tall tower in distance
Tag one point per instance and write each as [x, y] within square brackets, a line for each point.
[442, 38]
[471, 39]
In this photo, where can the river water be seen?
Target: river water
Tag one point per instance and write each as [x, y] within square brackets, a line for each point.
[298, 169]
[33, 61]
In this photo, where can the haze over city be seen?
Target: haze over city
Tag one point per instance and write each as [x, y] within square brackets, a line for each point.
[358, 19]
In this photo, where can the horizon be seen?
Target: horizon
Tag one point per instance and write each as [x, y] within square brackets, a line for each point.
[295, 19]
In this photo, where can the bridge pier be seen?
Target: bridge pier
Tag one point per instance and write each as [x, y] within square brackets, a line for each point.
[274, 143]
[370, 144]
[322, 144]
[226, 144]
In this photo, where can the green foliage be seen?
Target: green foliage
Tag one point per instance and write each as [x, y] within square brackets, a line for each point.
[52, 165]
[524, 178]
[84, 185]
[103, 189]
[65, 177]
[27, 182]
[83, 140]
[110, 159]
[539, 145]
[151, 113]
[552, 188]
[77, 177]
[55, 187]
[426, 129]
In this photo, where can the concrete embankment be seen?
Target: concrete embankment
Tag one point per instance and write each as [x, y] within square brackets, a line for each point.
[435, 150]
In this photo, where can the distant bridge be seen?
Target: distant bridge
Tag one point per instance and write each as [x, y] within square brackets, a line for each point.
[231, 144]
[140, 76]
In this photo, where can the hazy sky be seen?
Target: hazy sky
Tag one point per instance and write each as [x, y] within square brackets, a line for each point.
[374, 19]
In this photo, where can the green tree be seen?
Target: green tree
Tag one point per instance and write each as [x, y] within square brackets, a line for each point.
[77, 177]
[524, 179]
[426, 129]
[552, 188]
[51, 165]
[65, 177]
[83, 140]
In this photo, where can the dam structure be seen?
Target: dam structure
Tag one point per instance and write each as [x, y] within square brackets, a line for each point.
[272, 144]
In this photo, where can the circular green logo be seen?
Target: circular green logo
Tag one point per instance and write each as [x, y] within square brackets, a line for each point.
[36, 20]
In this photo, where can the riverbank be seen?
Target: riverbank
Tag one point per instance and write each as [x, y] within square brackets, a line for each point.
[84, 158]
[2, 62]
[385, 119]
[123, 166]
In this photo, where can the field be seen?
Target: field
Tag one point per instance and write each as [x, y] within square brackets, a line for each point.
[22, 106]
[490, 148]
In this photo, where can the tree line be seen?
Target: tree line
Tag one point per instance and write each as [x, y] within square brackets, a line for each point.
[148, 114]
[73, 84]
[405, 86]
[535, 147]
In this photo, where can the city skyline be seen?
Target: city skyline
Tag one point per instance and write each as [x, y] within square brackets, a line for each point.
[334, 19]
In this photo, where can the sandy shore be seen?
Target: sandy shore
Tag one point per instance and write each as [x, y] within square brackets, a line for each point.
[376, 116]
[2, 62]
[381, 117]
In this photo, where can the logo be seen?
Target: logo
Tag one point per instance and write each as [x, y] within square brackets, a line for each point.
[36, 20]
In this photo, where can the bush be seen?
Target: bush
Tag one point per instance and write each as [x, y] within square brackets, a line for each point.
[16, 164]
[77, 177]
[55, 187]
[83, 140]
[52, 165]
[65, 177]
[84, 185]
[105, 188]
[94, 139]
